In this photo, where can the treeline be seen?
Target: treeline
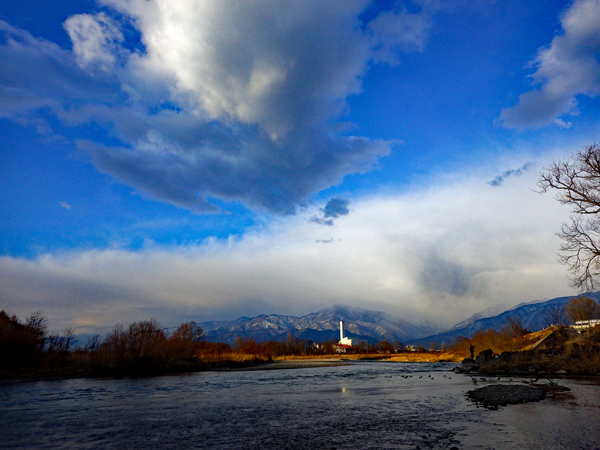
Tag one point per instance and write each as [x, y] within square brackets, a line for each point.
[141, 348]
[21, 344]
[306, 347]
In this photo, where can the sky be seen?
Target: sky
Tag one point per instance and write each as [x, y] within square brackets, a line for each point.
[209, 159]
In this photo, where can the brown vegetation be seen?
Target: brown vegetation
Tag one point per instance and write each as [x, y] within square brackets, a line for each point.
[582, 308]
[141, 349]
[144, 348]
[557, 349]
[509, 339]
[20, 344]
[430, 357]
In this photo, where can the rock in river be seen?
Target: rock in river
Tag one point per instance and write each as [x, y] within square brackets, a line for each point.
[505, 394]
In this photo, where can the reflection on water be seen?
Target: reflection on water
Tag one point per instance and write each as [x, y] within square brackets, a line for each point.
[374, 405]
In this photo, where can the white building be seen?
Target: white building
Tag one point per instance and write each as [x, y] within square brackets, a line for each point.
[344, 340]
[584, 325]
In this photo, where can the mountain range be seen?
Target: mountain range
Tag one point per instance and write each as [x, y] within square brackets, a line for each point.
[321, 326]
[374, 326]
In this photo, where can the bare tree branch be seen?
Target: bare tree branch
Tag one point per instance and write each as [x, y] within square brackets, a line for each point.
[578, 184]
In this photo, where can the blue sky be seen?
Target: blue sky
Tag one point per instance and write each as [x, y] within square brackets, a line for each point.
[210, 159]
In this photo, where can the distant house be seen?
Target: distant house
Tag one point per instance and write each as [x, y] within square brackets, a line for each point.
[584, 325]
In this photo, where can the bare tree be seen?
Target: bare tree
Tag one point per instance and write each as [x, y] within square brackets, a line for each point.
[578, 184]
[38, 324]
[143, 337]
[582, 308]
[555, 315]
[62, 343]
[514, 328]
[188, 332]
[69, 339]
[93, 344]
[116, 342]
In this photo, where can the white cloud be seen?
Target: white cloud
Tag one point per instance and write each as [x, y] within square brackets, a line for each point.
[269, 63]
[237, 101]
[441, 253]
[396, 31]
[95, 38]
[565, 69]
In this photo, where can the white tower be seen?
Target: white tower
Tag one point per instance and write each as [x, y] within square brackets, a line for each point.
[344, 340]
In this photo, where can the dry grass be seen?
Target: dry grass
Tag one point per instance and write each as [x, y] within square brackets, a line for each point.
[399, 357]
[229, 357]
[335, 357]
[428, 357]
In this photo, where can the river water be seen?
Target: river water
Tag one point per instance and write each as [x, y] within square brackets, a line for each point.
[364, 405]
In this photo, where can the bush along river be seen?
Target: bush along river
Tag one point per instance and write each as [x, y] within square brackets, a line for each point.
[362, 405]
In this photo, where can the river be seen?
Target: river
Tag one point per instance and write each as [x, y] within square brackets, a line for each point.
[363, 405]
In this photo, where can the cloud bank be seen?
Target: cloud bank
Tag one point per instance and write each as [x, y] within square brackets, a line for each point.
[219, 99]
[432, 254]
[568, 67]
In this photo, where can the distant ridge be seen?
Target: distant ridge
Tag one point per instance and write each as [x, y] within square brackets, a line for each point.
[323, 325]
[532, 315]
[375, 326]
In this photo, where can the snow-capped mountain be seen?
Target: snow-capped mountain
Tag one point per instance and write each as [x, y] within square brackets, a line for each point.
[323, 325]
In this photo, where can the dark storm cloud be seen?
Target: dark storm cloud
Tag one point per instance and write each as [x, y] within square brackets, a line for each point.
[510, 173]
[335, 208]
[443, 276]
[277, 181]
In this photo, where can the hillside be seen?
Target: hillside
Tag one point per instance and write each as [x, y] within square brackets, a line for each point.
[533, 316]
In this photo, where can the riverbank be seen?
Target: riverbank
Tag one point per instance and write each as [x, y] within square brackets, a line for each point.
[72, 367]
[82, 366]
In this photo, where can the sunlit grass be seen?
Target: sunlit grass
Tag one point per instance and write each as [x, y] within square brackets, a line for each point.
[229, 357]
[399, 357]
